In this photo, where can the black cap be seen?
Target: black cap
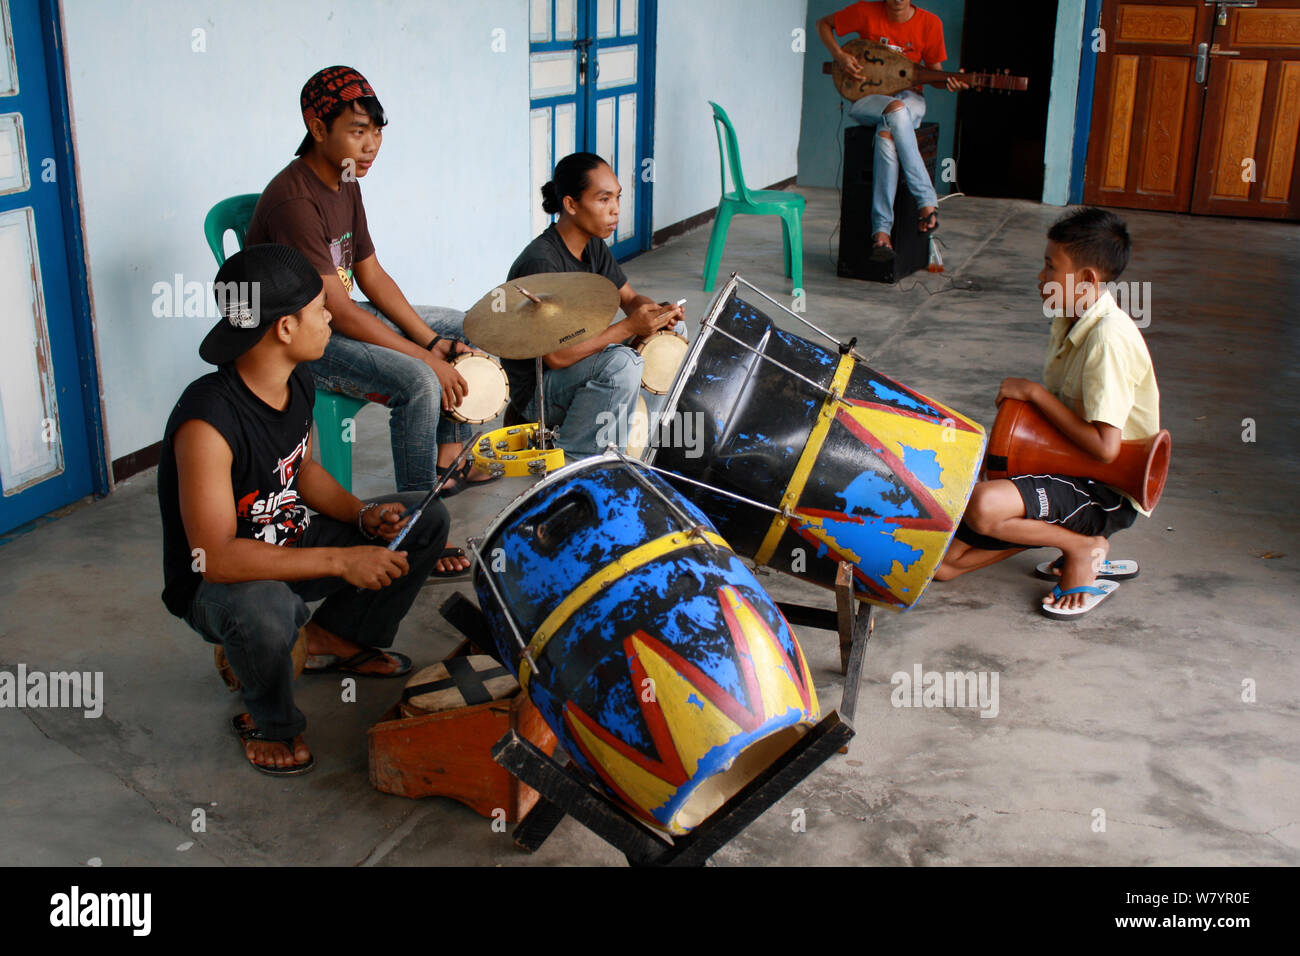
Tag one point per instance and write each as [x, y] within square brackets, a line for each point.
[254, 288]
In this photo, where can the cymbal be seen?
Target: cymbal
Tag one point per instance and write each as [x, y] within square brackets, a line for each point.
[565, 308]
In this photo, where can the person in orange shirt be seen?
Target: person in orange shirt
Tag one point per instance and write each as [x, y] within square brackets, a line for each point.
[918, 35]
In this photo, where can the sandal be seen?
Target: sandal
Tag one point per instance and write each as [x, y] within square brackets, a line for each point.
[882, 251]
[469, 466]
[928, 223]
[242, 724]
[333, 664]
[458, 483]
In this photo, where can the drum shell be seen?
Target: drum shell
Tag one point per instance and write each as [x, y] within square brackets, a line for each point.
[887, 486]
[1023, 442]
[678, 611]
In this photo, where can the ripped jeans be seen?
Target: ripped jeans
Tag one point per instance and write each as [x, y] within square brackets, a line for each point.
[900, 150]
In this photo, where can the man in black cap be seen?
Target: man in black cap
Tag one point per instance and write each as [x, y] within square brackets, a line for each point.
[241, 553]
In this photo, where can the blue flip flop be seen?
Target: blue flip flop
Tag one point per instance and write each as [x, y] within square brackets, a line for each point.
[1095, 595]
[1121, 570]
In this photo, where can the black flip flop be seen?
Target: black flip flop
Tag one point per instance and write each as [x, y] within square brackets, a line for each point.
[351, 665]
[882, 252]
[463, 475]
[242, 725]
[455, 489]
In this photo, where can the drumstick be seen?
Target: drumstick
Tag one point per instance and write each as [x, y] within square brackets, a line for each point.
[418, 511]
[437, 487]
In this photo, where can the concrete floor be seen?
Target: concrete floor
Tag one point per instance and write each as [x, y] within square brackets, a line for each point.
[1136, 711]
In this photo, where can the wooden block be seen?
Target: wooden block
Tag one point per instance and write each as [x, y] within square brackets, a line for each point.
[450, 755]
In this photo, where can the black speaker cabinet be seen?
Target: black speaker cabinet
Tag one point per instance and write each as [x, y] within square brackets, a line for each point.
[911, 249]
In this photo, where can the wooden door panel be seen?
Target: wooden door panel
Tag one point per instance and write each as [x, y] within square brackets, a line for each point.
[1147, 105]
[1251, 125]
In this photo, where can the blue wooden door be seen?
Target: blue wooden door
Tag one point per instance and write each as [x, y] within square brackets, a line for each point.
[46, 457]
[591, 76]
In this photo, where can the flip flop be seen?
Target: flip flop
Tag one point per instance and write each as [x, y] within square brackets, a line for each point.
[1122, 570]
[455, 489]
[333, 664]
[242, 725]
[1095, 595]
[444, 575]
[882, 252]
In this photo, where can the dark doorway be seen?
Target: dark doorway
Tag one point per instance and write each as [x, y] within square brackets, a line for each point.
[1001, 136]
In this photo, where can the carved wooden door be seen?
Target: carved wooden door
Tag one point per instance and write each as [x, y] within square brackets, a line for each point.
[1197, 107]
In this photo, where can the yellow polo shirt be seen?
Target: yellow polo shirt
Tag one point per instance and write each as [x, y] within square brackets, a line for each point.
[1100, 369]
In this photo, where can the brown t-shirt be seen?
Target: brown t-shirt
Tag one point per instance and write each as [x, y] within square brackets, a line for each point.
[328, 227]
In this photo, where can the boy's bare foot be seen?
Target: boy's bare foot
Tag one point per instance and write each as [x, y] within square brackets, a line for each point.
[1080, 570]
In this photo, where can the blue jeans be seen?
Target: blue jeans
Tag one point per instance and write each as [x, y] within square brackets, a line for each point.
[901, 149]
[580, 398]
[405, 385]
[257, 621]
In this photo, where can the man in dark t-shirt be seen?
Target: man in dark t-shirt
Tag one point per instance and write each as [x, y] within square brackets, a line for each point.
[241, 553]
[590, 386]
[384, 349]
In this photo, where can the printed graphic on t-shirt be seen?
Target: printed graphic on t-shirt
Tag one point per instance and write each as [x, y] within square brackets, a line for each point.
[905, 49]
[276, 517]
[341, 256]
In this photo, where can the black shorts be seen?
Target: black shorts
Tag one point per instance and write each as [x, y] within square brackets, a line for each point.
[1081, 505]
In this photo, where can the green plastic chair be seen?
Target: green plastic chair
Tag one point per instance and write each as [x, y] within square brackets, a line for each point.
[233, 215]
[752, 202]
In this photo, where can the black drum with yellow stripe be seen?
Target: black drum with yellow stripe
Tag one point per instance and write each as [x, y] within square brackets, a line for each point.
[860, 467]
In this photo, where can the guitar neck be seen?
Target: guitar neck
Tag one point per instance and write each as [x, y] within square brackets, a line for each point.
[990, 81]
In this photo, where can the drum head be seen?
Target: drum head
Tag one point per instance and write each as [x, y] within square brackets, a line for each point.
[663, 353]
[457, 682]
[489, 389]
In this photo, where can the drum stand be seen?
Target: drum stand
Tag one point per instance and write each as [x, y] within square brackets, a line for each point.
[564, 792]
[854, 628]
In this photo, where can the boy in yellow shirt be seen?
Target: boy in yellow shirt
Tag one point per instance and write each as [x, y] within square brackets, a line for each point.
[1099, 390]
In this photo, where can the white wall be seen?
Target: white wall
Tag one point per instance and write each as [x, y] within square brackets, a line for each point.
[163, 132]
[738, 54]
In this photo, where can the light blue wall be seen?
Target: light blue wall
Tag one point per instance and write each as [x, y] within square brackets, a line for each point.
[820, 137]
[1061, 107]
[742, 55]
[163, 131]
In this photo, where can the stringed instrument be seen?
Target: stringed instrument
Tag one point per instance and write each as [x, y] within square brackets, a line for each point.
[888, 72]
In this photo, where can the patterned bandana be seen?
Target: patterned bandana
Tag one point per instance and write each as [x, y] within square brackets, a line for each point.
[330, 87]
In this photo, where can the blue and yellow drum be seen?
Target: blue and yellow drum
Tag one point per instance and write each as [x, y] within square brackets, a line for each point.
[670, 676]
[861, 468]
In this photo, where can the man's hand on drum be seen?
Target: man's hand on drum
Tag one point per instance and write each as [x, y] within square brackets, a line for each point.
[454, 386]
[649, 317]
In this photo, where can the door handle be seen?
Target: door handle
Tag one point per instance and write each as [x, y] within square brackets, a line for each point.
[1202, 61]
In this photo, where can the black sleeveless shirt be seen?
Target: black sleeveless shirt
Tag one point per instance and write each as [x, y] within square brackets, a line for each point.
[268, 446]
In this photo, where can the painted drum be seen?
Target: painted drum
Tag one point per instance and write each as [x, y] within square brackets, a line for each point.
[868, 471]
[489, 389]
[669, 675]
[662, 353]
